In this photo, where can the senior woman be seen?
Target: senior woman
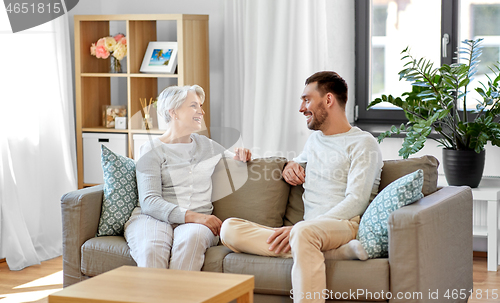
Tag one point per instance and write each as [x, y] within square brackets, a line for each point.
[174, 226]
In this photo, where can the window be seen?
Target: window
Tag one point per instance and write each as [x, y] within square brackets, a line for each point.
[379, 42]
[385, 27]
[481, 19]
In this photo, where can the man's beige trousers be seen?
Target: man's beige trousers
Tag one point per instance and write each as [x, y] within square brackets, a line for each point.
[308, 240]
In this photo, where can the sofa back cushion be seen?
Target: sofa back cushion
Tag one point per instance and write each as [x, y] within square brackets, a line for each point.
[395, 169]
[295, 207]
[392, 170]
[253, 191]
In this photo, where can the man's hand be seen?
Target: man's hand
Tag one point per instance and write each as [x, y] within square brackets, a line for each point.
[209, 221]
[242, 154]
[279, 240]
[294, 174]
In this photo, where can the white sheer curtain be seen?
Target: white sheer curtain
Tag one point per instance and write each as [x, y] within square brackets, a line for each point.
[271, 47]
[37, 146]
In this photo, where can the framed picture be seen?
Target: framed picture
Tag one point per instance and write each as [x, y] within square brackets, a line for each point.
[160, 57]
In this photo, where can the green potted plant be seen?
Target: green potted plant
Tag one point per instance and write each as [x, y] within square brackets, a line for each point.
[432, 106]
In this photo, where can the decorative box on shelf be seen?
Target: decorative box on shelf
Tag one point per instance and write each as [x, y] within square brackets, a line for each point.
[121, 123]
[110, 112]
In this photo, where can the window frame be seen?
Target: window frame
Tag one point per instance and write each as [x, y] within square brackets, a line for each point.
[363, 8]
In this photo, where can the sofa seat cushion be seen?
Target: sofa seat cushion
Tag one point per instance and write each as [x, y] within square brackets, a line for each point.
[273, 275]
[214, 256]
[102, 254]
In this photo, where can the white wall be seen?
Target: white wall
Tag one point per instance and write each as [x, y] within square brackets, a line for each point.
[213, 8]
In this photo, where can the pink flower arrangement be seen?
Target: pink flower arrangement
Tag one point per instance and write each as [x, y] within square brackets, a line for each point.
[115, 46]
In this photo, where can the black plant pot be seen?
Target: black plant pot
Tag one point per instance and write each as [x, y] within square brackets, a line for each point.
[463, 167]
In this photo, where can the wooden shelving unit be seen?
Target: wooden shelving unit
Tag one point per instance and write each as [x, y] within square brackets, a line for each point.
[93, 80]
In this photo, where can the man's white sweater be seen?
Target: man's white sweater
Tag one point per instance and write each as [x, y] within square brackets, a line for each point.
[342, 174]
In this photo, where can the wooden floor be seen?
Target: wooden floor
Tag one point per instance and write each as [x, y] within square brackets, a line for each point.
[43, 280]
[486, 283]
[35, 283]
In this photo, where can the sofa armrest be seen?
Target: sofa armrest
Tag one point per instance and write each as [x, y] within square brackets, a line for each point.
[430, 245]
[81, 211]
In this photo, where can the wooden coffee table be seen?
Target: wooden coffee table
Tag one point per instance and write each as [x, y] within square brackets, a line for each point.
[137, 284]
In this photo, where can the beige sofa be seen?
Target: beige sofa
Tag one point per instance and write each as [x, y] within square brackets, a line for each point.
[430, 241]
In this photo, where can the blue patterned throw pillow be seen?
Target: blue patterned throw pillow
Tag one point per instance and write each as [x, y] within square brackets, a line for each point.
[373, 232]
[120, 192]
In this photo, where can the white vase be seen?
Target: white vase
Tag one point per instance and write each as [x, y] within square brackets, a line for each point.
[162, 125]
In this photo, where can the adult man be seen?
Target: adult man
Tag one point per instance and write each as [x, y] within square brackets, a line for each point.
[341, 177]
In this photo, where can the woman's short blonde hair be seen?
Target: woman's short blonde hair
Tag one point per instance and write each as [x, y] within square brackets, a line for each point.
[172, 97]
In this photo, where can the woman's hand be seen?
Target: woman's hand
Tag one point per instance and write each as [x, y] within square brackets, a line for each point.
[242, 154]
[209, 221]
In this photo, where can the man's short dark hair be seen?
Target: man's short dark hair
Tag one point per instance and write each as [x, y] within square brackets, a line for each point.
[330, 82]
